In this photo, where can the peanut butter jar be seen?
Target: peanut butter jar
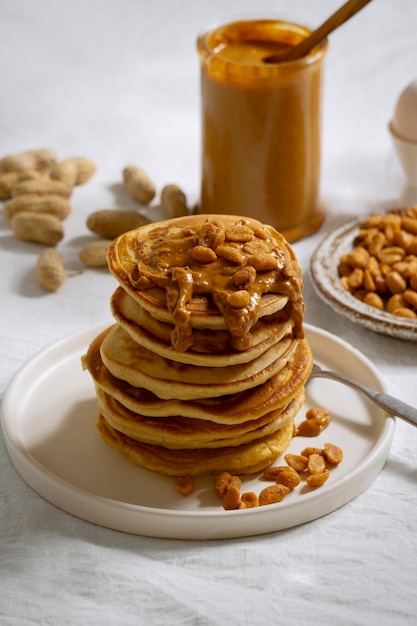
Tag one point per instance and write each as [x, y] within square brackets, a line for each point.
[261, 125]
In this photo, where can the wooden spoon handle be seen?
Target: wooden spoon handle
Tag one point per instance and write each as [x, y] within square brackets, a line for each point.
[334, 21]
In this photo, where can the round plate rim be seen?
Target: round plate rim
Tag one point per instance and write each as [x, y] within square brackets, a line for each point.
[105, 511]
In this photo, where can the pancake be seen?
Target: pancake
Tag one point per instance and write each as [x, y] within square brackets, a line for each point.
[203, 313]
[205, 272]
[131, 362]
[248, 458]
[181, 432]
[212, 347]
[233, 409]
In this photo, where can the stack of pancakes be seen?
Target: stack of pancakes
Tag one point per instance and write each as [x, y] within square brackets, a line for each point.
[204, 369]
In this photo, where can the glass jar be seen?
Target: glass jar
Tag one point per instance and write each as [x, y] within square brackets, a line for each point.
[261, 125]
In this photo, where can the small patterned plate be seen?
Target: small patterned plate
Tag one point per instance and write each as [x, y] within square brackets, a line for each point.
[325, 279]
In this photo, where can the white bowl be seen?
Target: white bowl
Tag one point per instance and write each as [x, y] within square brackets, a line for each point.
[407, 155]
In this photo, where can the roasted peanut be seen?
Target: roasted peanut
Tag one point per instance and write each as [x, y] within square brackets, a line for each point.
[272, 494]
[373, 221]
[377, 243]
[333, 454]
[138, 184]
[272, 472]
[212, 235]
[202, 254]
[355, 279]
[173, 201]
[288, 477]
[368, 281]
[263, 262]
[74, 171]
[50, 272]
[397, 301]
[381, 286]
[373, 299]
[231, 498]
[391, 254]
[94, 253]
[403, 311]
[344, 268]
[297, 461]
[230, 253]
[37, 227]
[255, 247]
[359, 257]
[311, 450]
[239, 233]
[316, 464]
[410, 296]
[57, 206]
[317, 480]
[403, 239]
[184, 485]
[248, 500]
[227, 487]
[224, 481]
[317, 419]
[41, 160]
[110, 223]
[395, 282]
[244, 277]
[238, 299]
[409, 224]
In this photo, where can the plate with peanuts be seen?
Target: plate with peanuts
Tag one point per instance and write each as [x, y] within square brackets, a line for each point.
[340, 444]
[366, 270]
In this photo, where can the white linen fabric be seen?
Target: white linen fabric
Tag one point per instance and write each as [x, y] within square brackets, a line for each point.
[118, 81]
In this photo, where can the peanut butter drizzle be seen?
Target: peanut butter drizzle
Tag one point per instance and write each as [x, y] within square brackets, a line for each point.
[187, 262]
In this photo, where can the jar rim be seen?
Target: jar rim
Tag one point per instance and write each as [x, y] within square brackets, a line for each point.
[230, 30]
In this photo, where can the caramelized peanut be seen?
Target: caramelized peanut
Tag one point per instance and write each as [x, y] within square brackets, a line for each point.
[203, 254]
[271, 473]
[248, 500]
[297, 461]
[288, 477]
[316, 464]
[231, 498]
[333, 454]
[273, 494]
[184, 485]
[317, 480]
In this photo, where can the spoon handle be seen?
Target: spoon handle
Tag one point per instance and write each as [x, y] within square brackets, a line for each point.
[390, 404]
[338, 18]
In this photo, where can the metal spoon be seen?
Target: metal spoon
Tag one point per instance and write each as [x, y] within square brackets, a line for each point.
[390, 404]
[338, 18]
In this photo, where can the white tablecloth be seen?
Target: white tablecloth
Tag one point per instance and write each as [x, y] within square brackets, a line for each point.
[117, 81]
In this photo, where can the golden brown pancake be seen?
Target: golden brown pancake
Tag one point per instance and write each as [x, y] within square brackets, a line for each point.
[248, 458]
[140, 367]
[177, 432]
[233, 409]
[213, 348]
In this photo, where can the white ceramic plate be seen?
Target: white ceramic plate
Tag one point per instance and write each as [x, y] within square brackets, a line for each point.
[326, 281]
[48, 418]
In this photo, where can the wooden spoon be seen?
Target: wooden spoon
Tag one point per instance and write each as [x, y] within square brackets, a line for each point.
[338, 18]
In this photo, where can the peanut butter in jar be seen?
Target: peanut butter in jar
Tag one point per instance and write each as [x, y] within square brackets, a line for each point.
[261, 126]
